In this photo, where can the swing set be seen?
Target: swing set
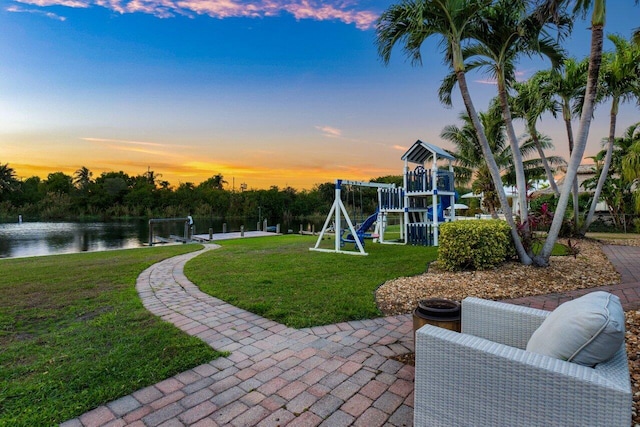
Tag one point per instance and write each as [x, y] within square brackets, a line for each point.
[338, 212]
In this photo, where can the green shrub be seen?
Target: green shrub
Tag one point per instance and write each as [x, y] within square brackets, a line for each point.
[474, 244]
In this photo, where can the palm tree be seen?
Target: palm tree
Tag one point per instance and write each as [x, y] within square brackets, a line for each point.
[534, 167]
[8, 179]
[470, 163]
[618, 189]
[216, 182]
[620, 82]
[595, 56]
[529, 104]
[82, 178]
[630, 163]
[566, 88]
[410, 23]
[506, 31]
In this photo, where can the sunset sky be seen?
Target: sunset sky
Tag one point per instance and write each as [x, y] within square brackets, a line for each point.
[264, 92]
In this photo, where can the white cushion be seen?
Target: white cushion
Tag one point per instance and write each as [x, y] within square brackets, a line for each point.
[588, 330]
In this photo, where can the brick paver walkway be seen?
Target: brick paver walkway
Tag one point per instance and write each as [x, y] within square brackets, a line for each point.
[626, 260]
[334, 375]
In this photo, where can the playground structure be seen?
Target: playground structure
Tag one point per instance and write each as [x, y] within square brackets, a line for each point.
[419, 206]
[338, 212]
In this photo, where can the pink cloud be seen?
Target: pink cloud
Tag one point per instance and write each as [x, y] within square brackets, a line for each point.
[329, 131]
[18, 9]
[305, 9]
[67, 3]
[334, 10]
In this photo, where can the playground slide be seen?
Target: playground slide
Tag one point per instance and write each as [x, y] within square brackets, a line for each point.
[360, 231]
[440, 208]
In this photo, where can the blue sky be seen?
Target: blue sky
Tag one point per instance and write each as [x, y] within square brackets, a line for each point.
[266, 92]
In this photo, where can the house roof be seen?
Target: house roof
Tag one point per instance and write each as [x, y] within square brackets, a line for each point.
[585, 172]
[422, 151]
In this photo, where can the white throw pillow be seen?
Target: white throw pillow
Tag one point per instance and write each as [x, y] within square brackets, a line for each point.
[588, 330]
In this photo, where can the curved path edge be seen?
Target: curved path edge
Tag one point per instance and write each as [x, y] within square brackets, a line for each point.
[333, 375]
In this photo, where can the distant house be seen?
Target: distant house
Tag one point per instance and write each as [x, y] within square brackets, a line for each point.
[585, 172]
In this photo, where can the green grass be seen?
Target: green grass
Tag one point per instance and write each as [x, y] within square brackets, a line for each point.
[558, 249]
[279, 278]
[74, 334]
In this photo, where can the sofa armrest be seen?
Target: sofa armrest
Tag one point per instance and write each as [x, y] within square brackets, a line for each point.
[500, 322]
[464, 380]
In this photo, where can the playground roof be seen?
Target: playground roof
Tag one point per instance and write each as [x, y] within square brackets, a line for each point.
[422, 151]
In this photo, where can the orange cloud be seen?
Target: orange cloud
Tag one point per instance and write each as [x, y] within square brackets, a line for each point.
[126, 141]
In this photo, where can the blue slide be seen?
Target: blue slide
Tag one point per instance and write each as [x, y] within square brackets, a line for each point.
[361, 231]
[440, 208]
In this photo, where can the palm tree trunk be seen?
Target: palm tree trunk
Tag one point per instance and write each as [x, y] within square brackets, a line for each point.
[545, 163]
[574, 184]
[605, 167]
[521, 182]
[493, 167]
[595, 59]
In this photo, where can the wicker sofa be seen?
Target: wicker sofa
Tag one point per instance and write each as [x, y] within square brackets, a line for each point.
[484, 377]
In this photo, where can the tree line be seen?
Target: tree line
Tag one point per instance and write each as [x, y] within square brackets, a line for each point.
[119, 195]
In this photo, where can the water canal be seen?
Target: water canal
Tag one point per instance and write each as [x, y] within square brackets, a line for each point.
[50, 238]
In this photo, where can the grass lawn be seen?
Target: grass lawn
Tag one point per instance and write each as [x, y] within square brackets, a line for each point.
[74, 334]
[558, 249]
[279, 278]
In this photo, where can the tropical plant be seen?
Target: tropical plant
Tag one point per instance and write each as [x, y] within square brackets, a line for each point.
[620, 190]
[82, 178]
[631, 162]
[534, 167]
[8, 179]
[215, 182]
[565, 88]
[59, 182]
[504, 32]
[620, 82]
[529, 104]
[598, 16]
[410, 23]
[470, 165]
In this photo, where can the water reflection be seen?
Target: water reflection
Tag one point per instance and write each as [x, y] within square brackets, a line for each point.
[47, 238]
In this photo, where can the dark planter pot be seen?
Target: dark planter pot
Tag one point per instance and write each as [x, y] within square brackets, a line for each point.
[438, 312]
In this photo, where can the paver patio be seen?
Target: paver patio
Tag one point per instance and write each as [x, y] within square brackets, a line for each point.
[332, 375]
